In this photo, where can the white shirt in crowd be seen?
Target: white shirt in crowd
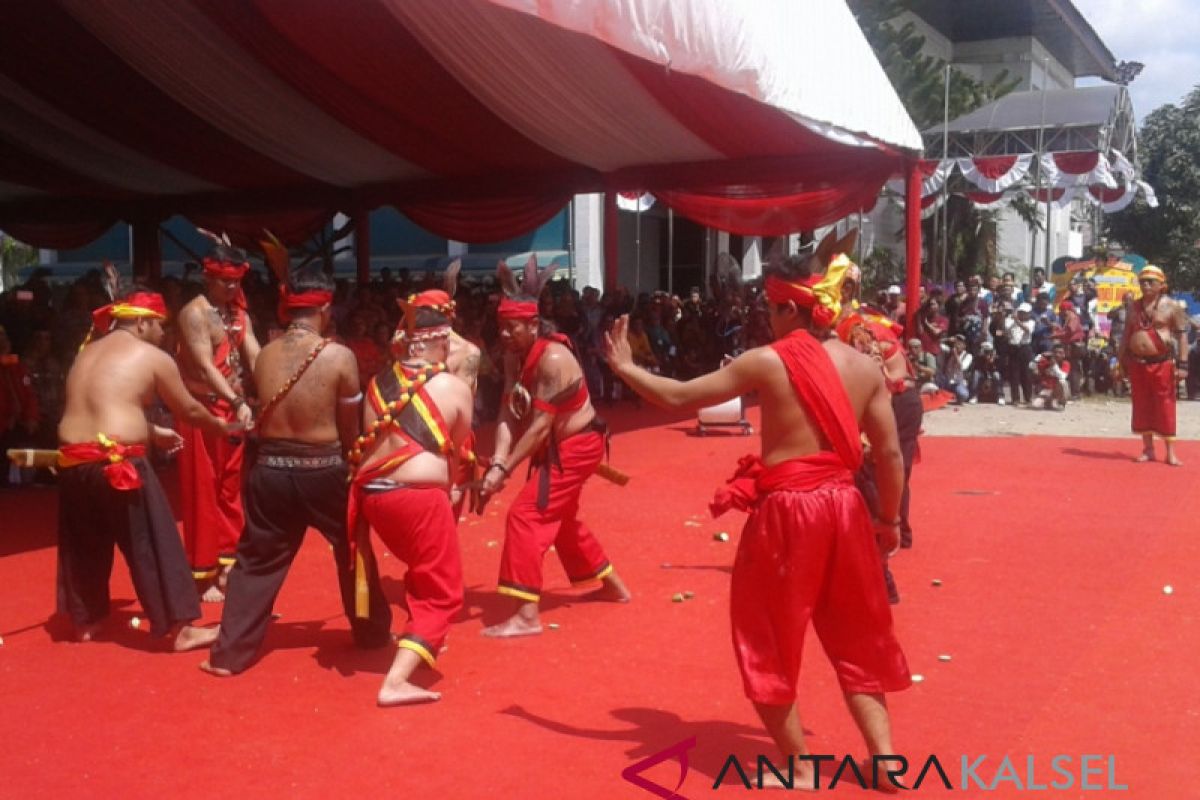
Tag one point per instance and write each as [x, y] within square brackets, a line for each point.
[1019, 333]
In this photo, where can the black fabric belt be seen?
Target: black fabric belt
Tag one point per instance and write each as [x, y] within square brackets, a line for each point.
[289, 454]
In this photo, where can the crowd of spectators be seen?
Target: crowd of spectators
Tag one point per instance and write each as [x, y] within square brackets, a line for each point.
[982, 337]
[973, 341]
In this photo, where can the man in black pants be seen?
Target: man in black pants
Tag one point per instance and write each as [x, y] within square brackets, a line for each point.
[296, 477]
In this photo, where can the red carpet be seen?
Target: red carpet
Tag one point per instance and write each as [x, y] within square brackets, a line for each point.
[1052, 553]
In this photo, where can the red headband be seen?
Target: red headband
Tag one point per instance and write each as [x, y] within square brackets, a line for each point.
[139, 305]
[525, 311]
[225, 270]
[289, 301]
[436, 299]
[803, 295]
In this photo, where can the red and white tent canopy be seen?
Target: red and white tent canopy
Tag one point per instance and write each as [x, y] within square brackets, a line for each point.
[477, 118]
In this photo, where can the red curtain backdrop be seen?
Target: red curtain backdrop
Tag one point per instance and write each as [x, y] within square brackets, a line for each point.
[484, 220]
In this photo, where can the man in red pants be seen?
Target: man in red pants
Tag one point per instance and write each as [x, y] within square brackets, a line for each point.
[1154, 354]
[217, 347]
[415, 419]
[809, 549]
[545, 414]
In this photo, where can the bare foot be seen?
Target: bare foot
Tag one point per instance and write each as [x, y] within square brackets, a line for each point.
[516, 625]
[192, 638]
[884, 784]
[212, 594]
[1174, 462]
[1144, 457]
[802, 780]
[609, 593]
[403, 693]
[217, 672]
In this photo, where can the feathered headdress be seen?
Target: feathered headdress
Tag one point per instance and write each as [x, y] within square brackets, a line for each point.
[820, 292]
[533, 280]
[279, 261]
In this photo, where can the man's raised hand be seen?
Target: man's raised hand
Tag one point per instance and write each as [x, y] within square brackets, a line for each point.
[617, 352]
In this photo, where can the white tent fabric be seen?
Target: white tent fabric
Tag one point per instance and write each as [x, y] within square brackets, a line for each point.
[797, 56]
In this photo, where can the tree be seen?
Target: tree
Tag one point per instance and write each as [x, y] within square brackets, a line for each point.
[1169, 151]
[920, 82]
[919, 79]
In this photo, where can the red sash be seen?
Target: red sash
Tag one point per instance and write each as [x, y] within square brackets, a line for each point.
[529, 372]
[121, 474]
[820, 391]
[1141, 322]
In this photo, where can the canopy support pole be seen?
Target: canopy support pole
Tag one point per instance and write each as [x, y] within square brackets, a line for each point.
[912, 242]
[147, 250]
[611, 249]
[670, 251]
[362, 246]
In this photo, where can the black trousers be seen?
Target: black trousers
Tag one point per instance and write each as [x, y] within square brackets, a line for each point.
[1018, 373]
[92, 517]
[281, 504]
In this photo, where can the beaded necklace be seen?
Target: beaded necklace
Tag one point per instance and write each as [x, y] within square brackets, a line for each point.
[412, 381]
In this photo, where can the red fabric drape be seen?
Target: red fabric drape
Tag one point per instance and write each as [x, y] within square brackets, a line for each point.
[58, 235]
[290, 227]
[766, 212]
[1106, 195]
[95, 86]
[336, 59]
[1077, 163]
[492, 220]
[993, 167]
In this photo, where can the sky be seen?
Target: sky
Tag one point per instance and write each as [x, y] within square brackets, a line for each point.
[1162, 34]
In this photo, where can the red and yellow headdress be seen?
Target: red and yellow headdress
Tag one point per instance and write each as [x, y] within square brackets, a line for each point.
[523, 310]
[821, 293]
[433, 299]
[139, 305]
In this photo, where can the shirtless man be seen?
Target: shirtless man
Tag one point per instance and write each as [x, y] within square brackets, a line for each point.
[108, 491]
[297, 477]
[545, 414]
[809, 547]
[217, 345]
[1154, 355]
[416, 418]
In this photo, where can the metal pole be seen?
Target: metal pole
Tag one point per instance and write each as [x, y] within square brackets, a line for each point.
[637, 274]
[670, 251]
[1049, 240]
[945, 184]
[571, 242]
[1038, 179]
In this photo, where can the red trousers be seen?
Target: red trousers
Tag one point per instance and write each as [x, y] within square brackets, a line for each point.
[1152, 389]
[417, 526]
[210, 478]
[529, 531]
[812, 555]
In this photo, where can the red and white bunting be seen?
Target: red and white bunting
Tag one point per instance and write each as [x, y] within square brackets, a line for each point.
[635, 201]
[989, 201]
[1148, 191]
[995, 173]
[1112, 200]
[1077, 169]
[1060, 197]
[1122, 167]
[934, 174]
[929, 203]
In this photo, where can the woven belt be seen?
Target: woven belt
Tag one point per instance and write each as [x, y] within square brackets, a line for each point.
[299, 462]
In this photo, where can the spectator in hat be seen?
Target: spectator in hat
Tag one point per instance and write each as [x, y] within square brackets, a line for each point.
[895, 307]
[986, 381]
[923, 365]
[1018, 328]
